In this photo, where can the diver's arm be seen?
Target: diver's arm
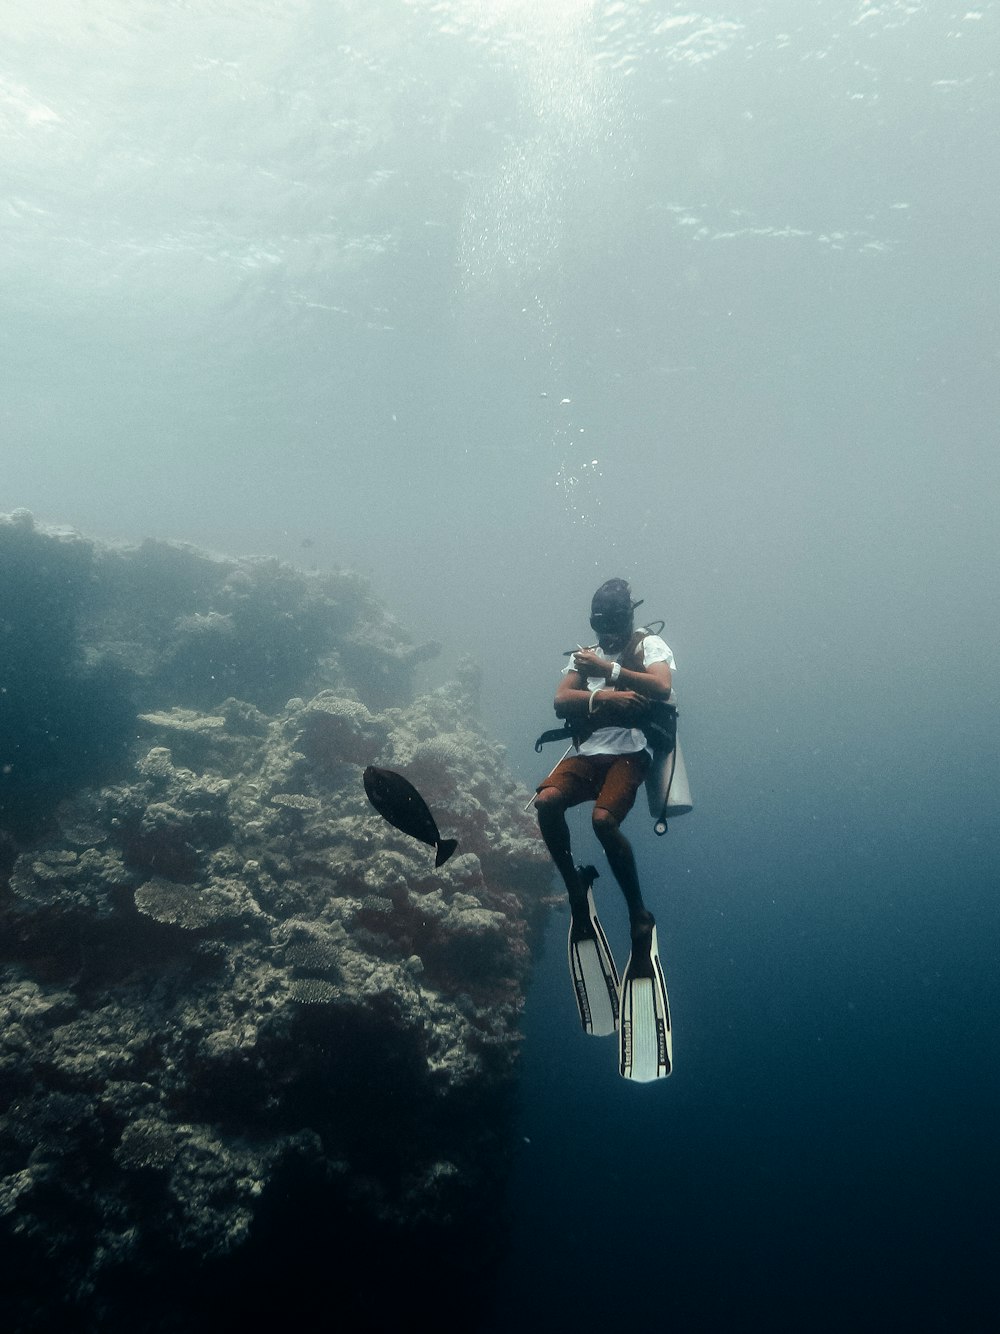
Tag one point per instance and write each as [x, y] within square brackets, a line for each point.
[632, 691]
[653, 682]
[572, 696]
[577, 702]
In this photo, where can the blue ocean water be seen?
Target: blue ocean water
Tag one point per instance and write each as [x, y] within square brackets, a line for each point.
[822, 1156]
[494, 301]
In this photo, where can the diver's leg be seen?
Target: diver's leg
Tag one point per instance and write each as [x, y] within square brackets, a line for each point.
[621, 859]
[552, 805]
[613, 804]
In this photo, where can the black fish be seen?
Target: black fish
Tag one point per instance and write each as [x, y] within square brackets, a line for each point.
[399, 802]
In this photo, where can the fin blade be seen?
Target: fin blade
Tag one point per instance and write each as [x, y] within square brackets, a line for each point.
[445, 847]
[595, 976]
[645, 1037]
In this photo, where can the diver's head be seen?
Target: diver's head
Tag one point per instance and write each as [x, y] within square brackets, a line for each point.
[611, 617]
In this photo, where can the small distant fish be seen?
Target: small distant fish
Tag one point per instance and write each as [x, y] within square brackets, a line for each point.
[308, 542]
[399, 802]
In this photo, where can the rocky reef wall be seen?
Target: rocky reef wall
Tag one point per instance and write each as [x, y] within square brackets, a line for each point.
[257, 1056]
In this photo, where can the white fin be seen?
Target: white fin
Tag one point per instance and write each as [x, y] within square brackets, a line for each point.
[645, 1041]
[595, 977]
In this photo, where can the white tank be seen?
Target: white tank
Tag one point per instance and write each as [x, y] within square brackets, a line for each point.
[667, 789]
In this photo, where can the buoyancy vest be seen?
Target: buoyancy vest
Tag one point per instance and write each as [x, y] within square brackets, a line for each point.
[658, 721]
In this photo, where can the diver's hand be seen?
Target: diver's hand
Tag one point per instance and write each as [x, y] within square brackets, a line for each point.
[589, 663]
[621, 704]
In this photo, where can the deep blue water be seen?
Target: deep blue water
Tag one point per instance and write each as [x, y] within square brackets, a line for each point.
[823, 1155]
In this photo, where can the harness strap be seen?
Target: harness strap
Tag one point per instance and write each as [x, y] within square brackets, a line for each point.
[564, 733]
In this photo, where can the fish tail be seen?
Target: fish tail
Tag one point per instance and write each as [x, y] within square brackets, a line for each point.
[445, 847]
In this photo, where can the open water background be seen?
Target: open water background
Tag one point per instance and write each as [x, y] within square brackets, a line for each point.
[494, 301]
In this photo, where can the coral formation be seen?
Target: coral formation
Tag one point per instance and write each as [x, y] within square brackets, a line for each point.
[243, 1020]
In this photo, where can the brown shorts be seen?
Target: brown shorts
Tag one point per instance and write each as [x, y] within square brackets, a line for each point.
[609, 781]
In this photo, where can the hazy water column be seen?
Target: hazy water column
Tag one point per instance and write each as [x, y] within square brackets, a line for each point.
[521, 220]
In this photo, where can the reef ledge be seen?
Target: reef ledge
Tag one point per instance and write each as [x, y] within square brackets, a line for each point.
[258, 1058]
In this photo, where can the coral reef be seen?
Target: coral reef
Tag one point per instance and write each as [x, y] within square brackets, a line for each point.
[249, 1036]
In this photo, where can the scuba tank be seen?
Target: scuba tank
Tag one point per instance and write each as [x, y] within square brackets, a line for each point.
[667, 789]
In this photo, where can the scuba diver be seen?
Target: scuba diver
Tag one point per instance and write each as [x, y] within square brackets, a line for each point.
[613, 698]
